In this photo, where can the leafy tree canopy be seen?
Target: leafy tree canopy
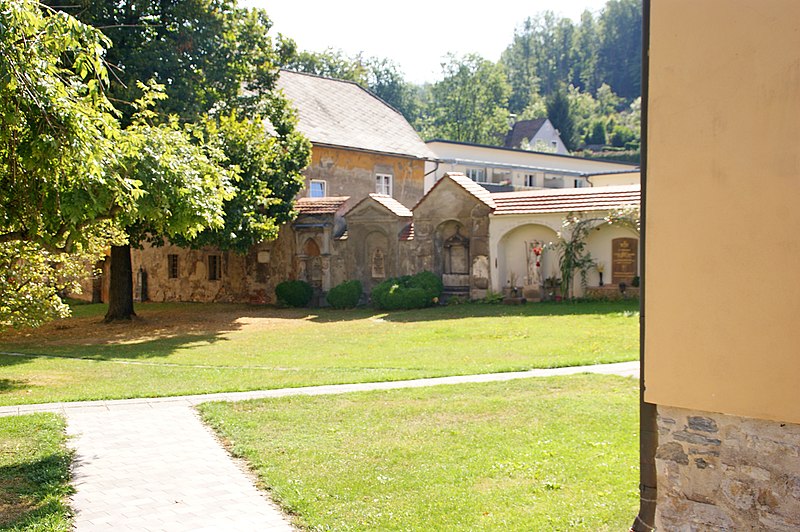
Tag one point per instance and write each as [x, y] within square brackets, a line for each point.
[470, 103]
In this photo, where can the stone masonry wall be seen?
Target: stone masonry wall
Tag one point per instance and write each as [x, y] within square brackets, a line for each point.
[721, 472]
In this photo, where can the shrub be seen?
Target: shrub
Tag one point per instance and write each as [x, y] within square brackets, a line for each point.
[407, 292]
[294, 293]
[345, 295]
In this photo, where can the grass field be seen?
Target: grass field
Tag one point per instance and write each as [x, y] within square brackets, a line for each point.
[34, 474]
[175, 349]
[539, 454]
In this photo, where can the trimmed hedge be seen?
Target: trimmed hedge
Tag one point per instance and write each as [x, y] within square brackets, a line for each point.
[345, 295]
[294, 293]
[407, 292]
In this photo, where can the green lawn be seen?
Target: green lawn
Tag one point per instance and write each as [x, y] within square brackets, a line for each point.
[539, 454]
[175, 349]
[34, 473]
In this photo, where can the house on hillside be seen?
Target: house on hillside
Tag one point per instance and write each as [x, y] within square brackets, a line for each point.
[501, 169]
[535, 135]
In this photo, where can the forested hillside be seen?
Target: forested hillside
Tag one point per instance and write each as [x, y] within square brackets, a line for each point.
[584, 76]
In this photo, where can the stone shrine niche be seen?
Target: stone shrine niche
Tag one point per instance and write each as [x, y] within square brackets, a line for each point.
[624, 260]
[311, 263]
[378, 264]
[456, 254]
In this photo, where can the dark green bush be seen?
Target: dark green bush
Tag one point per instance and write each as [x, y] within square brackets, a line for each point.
[407, 292]
[345, 295]
[294, 293]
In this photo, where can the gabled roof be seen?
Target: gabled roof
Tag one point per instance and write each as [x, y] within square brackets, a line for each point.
[389, 203]
[566, 200]
[473, 188]
[327, 205]
[341, 113]
[524, 129]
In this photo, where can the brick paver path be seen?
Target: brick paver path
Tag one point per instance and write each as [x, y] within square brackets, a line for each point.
[150, 464]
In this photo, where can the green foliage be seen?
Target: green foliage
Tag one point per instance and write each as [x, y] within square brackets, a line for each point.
[294, 293]
[345, 295]
[596, 134]
[470, 103]
[57, 130]
[408, 292]
[620, 136]
[268, 177]
[560, 114]
[571, 247]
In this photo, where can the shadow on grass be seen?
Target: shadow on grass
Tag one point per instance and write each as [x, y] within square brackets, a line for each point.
[33, 494]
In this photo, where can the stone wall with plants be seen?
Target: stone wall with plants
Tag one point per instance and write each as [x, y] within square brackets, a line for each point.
[720, 472]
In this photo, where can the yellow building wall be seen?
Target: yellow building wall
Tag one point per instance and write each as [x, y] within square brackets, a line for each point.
[352, 173]
[722, 278]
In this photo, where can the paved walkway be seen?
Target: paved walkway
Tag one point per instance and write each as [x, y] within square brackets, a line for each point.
[150, 464]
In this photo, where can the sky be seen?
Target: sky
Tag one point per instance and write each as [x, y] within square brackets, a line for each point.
[415, 34]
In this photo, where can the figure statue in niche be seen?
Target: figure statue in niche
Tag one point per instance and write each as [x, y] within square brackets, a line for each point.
[378, 264]
[533, 253]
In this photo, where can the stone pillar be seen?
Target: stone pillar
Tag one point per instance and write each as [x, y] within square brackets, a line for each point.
[721, 472]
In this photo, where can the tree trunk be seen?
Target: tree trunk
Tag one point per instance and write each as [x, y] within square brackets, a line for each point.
[120, 292]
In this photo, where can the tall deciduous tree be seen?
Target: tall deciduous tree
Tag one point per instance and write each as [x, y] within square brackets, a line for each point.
[470, 103]
[620, 49]
[215, 60]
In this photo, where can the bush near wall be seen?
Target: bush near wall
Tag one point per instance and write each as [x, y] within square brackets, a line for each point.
[345, 295]
[411, 291]
[294, 293]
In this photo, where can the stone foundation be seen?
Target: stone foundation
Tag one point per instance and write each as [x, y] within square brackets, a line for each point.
[720, 472]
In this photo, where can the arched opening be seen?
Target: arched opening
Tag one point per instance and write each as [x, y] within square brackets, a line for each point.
[523, 260]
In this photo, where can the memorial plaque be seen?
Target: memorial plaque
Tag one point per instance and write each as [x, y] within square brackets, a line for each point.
[378, 265]
[624, 260]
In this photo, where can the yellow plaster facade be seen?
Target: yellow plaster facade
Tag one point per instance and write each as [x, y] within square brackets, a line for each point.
[722, 296]
[353, 173]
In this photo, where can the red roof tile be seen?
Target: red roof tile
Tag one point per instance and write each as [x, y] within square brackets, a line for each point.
[327, 205]
[565, 200]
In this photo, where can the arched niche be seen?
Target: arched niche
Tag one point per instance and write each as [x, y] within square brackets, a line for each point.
[513, 255]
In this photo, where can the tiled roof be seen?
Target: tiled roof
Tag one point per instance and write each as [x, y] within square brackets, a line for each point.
[327, 205]
[524, 129]
[341, 113]
[393, 205]
[565, 200]
[472, 187]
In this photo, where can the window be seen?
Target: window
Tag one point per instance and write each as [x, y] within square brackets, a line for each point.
[172, 266]
[214, 267]
[552, 181]
[383, 184]
[530, 180]
[317, 189]
[578, 183]
[477, 174]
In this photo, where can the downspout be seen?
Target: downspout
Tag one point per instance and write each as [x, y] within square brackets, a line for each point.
[648, 424]
[435, 169]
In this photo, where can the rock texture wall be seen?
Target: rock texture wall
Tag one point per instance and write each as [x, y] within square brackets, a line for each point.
[720, 472]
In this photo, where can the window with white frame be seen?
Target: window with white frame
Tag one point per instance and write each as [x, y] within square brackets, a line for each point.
[530, 180]
[578, 183]
[383, 184]
[317, 188]
[477, 174]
